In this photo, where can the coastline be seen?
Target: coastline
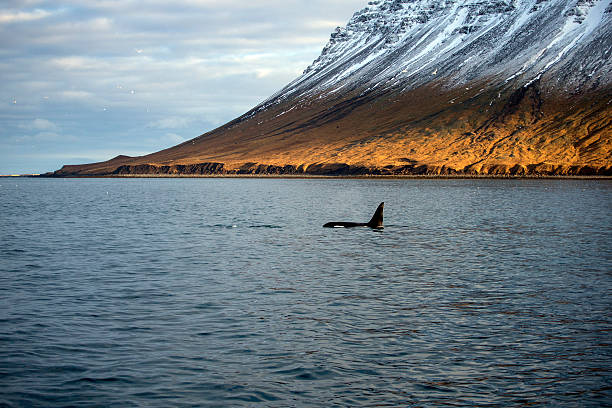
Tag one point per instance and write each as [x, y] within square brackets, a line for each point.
[323, 177]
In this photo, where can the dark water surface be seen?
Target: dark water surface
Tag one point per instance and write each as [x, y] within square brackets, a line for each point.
[228, 292]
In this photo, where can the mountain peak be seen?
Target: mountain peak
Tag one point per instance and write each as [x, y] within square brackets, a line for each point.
[410, 43]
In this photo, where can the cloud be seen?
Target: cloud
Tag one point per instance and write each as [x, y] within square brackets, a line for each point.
[174, 138]
[118, 73]
[45, 137]
[39, 124]
[162, 141]
[324, 24]
[22, 16]
[170, 123]
[79, 95]
[76, 63]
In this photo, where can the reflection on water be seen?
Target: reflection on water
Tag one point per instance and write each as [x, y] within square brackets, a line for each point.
[229, 292]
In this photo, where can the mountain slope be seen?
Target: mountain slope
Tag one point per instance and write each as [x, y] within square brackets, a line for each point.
[427, 87]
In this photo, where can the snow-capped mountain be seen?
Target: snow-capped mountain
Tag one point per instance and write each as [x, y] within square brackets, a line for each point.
[428, 87]
[410, 43]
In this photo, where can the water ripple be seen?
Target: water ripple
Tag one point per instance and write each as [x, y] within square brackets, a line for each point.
[477, 293]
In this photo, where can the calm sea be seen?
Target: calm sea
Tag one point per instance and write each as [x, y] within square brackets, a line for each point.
[228, 292]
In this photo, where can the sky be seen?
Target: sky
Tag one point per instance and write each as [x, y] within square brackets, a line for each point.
[85, 80]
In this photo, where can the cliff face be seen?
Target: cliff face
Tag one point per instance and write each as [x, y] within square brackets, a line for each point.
[427, 87]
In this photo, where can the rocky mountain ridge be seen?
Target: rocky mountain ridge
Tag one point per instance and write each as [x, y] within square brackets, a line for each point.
[512, 42]
[504, 87]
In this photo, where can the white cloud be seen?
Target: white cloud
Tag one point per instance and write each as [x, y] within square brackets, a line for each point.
[170, 123]
[174, 138]
[76, 63]
[263, 72]
[45, 137]
[79, 95]
[22, 16]
[83, 27]
[163, 141]
[39, 124]
[324, 24]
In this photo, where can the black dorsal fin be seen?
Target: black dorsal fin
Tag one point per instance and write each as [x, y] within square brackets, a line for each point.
[377, 218]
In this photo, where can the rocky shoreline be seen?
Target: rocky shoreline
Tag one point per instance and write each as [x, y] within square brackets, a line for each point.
[338, 170]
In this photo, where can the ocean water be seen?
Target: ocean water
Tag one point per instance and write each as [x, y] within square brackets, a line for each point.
[228, 292]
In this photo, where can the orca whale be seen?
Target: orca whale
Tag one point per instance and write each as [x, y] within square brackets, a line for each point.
[376, 221]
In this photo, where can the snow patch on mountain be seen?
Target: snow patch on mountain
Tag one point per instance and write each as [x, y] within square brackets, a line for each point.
[409, 43]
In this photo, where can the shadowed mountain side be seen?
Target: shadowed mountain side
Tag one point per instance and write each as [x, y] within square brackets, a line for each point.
[433, 129]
